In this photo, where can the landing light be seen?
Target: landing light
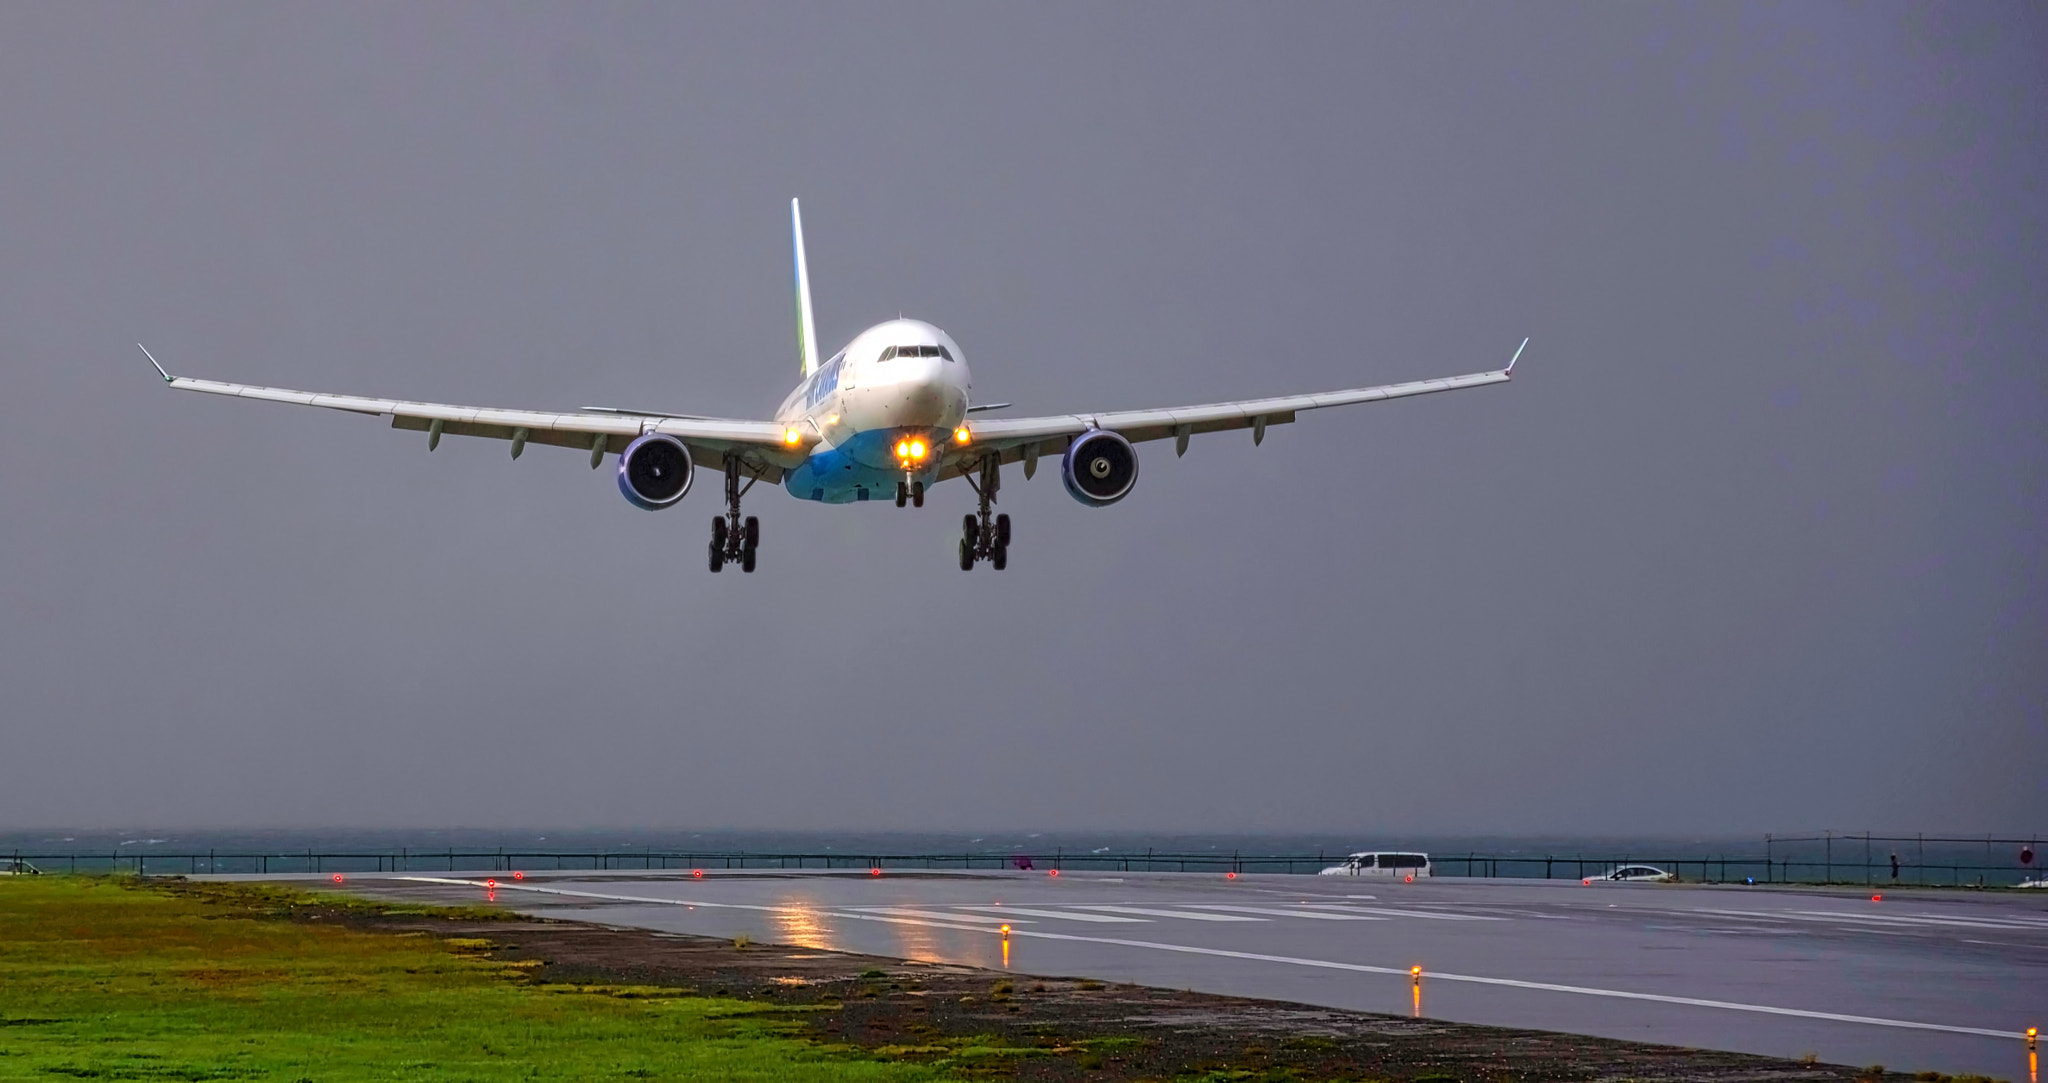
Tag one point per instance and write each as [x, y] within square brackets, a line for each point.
[961, 435]
[792, 437]
[917, 449]
[903, 449]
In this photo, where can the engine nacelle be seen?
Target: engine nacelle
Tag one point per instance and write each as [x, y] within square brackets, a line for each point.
[655, 471]
[1099, 468]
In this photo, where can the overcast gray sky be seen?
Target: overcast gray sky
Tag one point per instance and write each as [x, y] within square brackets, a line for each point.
[1752, 543]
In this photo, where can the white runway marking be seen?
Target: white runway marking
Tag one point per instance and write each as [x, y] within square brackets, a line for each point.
[941, 915]
[1388, 911]
[1279, 913]
[1060, 914]
[1895, 920]
[1325, 964]
[1188, 914]
[1929, 919]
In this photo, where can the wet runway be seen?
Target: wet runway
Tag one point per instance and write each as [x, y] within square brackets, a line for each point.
[1920, 980]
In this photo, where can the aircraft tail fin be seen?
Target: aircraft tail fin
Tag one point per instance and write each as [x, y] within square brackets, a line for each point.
[806, 327]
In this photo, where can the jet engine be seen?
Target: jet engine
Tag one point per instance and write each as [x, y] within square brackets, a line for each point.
[655, 471]
[1099, 468]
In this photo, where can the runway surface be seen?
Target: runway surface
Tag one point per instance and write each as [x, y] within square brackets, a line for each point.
[1919, 980]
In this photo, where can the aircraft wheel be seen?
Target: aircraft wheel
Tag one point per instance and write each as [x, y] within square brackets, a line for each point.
[717, 556]
[753, 534]
[966, 555]
[1003, 530]
[917, 494]
[970, 530]
[747, 559]
[1000, 557]
[718, 533]
[902, 493]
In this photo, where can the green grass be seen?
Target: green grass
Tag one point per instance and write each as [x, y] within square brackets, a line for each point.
[105, 979]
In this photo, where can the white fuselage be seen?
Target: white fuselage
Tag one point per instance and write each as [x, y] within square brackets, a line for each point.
[901, 385]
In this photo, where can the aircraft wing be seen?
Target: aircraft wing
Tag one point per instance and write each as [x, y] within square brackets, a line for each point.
[1027, 438]
[761, 444]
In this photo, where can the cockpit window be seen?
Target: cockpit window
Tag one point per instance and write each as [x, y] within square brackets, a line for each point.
[915, 351]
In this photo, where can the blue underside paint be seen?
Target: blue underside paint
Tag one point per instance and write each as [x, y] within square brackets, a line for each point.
[862, 468]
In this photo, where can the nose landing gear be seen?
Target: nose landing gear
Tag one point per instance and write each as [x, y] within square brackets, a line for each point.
[911, 491]
[733, 538]
[985, 536]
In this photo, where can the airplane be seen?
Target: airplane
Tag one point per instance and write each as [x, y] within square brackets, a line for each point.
[891, 411]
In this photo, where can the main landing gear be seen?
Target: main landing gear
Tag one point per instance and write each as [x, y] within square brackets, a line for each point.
[912, 491]
[733, 538]
[986, 537]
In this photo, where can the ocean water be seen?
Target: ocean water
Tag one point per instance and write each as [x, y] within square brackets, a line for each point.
[1943, 860]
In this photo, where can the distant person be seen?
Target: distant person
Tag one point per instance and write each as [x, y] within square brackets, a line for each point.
[1895, 866]
[1023, 863]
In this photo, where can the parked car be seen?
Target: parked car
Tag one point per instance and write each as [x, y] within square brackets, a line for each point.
[1391, 864]
[1646, 874]
[14, 866]
[2038, 881]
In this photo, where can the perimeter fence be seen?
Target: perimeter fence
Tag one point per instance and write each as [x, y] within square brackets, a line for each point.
[1874, 860]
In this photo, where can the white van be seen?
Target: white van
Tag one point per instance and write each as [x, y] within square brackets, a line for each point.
[1382, 863]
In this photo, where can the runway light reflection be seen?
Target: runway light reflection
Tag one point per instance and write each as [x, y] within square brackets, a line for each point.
[799, 923]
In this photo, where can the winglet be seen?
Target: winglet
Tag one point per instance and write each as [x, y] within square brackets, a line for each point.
[152, 360]
[1510, 370]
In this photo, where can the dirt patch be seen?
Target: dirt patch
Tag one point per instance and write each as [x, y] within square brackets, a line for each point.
[982, 1022]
